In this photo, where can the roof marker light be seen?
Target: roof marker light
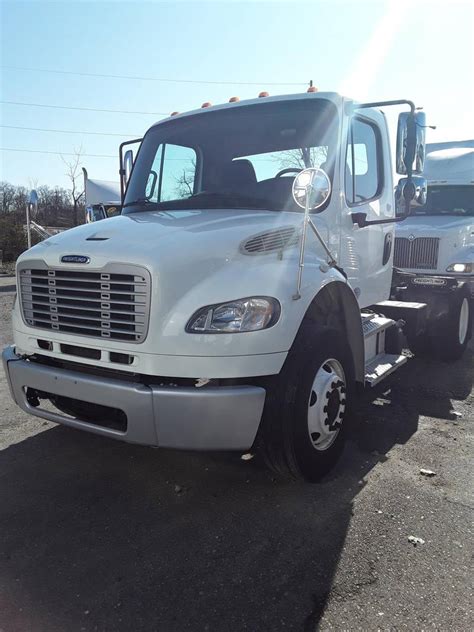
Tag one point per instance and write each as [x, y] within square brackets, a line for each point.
[206, 104]
[263, 94]
[312, 89]
[174, 113]
[234, 99]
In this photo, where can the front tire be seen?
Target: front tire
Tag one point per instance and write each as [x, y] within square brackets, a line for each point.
[304, 425]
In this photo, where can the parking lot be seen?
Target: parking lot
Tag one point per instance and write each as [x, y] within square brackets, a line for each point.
[99, 535]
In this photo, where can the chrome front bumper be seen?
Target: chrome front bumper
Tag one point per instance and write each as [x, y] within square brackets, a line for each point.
[207, 418]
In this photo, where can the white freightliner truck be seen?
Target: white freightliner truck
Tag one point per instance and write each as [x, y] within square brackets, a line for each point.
[438, 238]
[244, 292]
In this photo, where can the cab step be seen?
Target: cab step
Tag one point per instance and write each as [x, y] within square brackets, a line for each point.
[381, 366]
[373, 324]
[375, 328]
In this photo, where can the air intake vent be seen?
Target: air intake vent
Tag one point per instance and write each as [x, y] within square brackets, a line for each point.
[270, 241]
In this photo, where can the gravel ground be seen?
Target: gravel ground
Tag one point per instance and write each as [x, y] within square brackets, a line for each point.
[99, 535]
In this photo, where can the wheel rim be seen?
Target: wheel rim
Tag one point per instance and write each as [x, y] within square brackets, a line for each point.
[326, 404]
[463, 321]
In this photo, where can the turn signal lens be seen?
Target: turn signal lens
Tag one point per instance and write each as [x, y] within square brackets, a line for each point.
[234, 99]
[312, 89]
[263, 94]
[206, 104]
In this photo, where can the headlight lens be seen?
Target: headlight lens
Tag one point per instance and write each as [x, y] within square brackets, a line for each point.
[459, 267]
[246, 314]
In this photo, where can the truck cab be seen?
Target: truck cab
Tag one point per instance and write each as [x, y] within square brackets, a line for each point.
[438, 238]
[243, 292]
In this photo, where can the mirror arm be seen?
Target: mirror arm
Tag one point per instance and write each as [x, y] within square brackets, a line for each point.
[376, 104]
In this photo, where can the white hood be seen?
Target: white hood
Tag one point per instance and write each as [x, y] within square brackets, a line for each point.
[148, 237]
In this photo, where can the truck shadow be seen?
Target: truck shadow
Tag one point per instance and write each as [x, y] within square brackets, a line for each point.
[98, 535]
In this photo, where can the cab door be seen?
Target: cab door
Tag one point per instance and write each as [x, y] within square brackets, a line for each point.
[367, 253]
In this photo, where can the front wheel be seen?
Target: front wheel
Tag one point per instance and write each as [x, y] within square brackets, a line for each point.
[304, 424]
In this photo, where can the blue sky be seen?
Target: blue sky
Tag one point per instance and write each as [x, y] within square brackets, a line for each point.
[366, 49]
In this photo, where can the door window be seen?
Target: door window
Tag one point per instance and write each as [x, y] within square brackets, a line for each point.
[363, 179]
[172, 174]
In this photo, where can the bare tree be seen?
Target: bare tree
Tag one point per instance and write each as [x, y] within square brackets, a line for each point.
[74, 173]
[302, 157]
[185, 182]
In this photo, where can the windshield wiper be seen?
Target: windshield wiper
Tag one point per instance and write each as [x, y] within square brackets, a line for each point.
[216, 200]
[144, 201]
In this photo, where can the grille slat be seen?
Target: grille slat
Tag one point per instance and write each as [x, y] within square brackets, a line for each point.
[112, 303]
[416, 254]
[109, 329]
[75, 279]
[44, 308]
[77, 290]
[82, 300]
[39, 314]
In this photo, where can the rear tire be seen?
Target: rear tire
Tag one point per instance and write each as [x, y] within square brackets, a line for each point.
[455, 331]
[446, 338]
[303, 429]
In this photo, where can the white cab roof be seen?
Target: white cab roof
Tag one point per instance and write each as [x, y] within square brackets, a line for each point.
[450, 163]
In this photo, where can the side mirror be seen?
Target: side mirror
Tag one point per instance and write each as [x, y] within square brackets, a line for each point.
[311, 188]
[410, 150]
[33, 203]
[127, 164]
[410, 191]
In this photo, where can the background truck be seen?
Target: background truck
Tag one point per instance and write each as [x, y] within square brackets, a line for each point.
[102, 198]
[438, 238]
[245, 290]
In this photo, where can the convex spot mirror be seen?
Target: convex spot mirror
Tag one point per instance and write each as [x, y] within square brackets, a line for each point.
[410, 142]
[127, 164]
[413, 191]
[311, 189]
[33, 203]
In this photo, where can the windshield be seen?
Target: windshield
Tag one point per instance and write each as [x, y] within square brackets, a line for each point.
[241, 157]
[448, 200]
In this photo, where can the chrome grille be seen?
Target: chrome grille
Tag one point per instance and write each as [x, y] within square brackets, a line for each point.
[111, 303]
[419, 254]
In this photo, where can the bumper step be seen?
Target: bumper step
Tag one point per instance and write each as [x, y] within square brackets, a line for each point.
[381, 366]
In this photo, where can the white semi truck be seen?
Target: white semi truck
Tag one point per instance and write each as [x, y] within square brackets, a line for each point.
[438, 238]
[245, 290]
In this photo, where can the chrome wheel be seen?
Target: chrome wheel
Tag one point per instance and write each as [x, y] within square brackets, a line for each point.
[463, 321]
[327, 404]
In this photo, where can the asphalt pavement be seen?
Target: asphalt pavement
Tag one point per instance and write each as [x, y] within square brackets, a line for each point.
[100, 535]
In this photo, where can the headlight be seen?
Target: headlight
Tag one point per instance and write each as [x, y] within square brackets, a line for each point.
[459, 267]
[246, 314]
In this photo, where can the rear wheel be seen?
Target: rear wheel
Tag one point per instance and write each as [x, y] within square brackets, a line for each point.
[448, 336]
[455, 331]
[304, 425]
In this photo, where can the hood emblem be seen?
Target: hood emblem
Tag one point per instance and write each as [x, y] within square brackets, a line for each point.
[411, 237]
[75, 259]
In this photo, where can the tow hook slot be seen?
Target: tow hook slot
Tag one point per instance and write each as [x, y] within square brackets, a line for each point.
[33, 397]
